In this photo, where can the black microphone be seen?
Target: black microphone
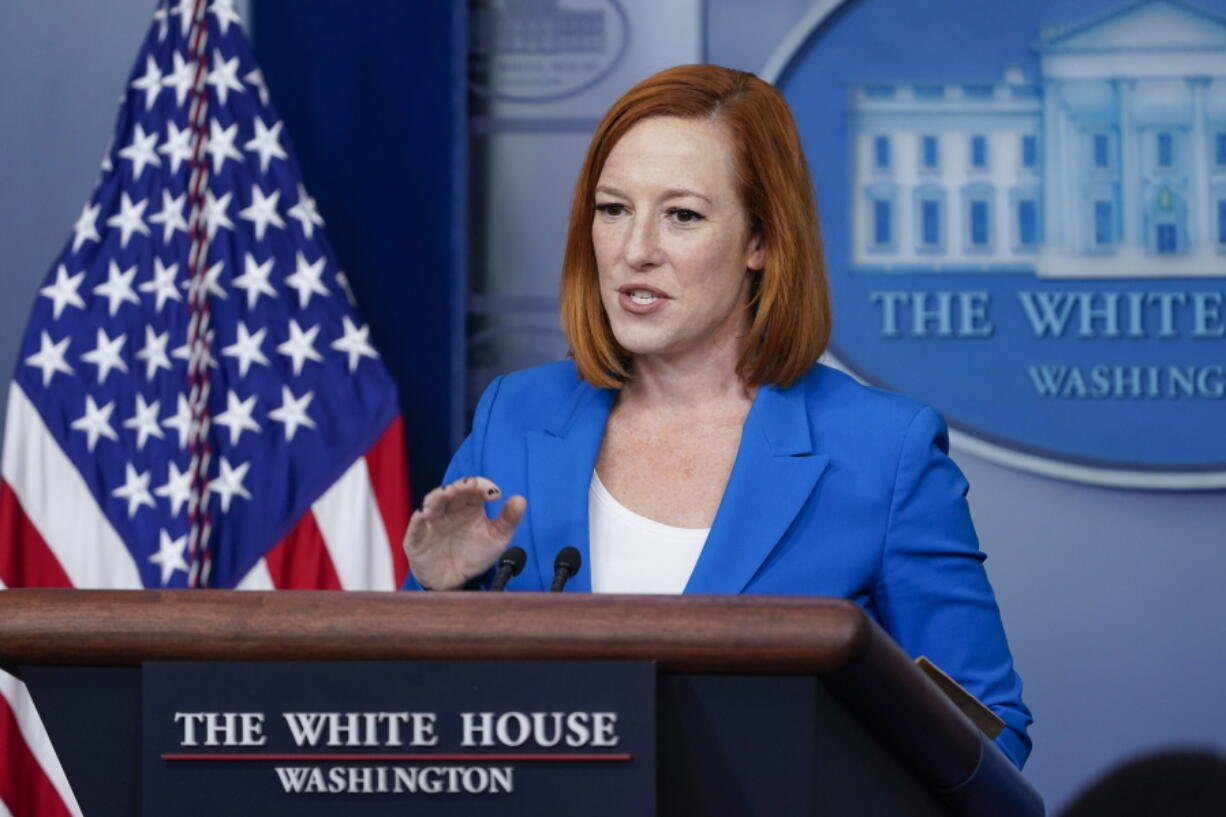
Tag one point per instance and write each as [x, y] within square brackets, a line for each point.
[564, 567]
[512, 561]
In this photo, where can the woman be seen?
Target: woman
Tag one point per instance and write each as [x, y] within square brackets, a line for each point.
[693, 444]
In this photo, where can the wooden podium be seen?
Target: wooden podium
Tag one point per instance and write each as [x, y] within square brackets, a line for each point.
[766, 705]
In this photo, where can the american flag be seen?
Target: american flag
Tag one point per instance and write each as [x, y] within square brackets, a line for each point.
[197, 402]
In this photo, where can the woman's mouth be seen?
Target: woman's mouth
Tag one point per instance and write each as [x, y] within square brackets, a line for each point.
[639, 300]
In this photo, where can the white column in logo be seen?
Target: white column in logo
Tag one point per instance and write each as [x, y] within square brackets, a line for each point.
[1130, 161]
[1053, 156]
[1202, 234]
[1070, 176]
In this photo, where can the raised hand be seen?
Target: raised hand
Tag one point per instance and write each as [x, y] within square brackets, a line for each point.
[451, 540]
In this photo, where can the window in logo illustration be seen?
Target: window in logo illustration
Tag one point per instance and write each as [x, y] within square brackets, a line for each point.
[544, 50]
[1025, 221]
[930, 153]
[881, 152]
[930, 207]
[979, 152]
[1030, 152]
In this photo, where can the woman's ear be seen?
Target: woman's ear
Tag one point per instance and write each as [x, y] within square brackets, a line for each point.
[756, 259]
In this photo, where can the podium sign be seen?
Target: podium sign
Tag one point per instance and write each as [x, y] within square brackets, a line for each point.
[384, 738]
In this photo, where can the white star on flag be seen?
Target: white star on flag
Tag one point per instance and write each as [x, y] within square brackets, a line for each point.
[117, 288]
[181, 420]
[292, 412]
[162, 285]
[128, 219]
[64, 291]
[237, 416]
[229, 483]
[141, 151]
[177, 489]
[256, 78]
[215, 213]
[307, 279]
[266, 143]
[135, 490]
[160, 16]
[95, 422]
[170, 216]
[262, 211]
[50, 357]
[86, 226]
[186, 9]
[181, 78]
[306, 213]
[105, 355]
[144, 420]
[255, 280]
[177, 146]
[355, 343]
[224, 11]
[150, 83]
[154, 353]
[246, 348]
[221, 145]
[224, 77]
[169, 555]
[300, 346]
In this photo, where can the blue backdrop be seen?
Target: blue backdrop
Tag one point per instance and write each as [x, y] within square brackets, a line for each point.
[374, 103]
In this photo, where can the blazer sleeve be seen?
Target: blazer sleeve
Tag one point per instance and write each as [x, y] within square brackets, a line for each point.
[467, 461]
[933, 594]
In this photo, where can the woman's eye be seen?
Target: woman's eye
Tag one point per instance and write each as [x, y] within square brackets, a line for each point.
[611, 208]
[684, 216]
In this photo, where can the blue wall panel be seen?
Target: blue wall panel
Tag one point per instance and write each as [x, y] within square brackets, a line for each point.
[373, 99]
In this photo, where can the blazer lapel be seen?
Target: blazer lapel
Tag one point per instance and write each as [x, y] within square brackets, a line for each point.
[561, 458]
[773, 477]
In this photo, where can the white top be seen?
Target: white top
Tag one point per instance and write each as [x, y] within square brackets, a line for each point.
[634, 554]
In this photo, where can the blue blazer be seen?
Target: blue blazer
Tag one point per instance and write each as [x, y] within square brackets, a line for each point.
[837, 490]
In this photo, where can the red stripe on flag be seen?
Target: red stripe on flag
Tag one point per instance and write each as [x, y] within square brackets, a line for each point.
[300, 561]
[25, 559]
[24, 787]
[389, 479]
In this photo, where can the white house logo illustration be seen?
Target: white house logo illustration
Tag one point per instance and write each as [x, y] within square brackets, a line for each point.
[544, 50]
[1024, 214]
[1111, 163]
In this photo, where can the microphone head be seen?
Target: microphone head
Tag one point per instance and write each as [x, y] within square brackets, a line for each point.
[569, 560]
[515, 558]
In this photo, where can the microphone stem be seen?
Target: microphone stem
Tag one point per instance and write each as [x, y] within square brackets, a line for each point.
[504, 576]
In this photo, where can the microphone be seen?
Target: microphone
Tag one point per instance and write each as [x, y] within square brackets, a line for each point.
[564, 567]
[512, 561]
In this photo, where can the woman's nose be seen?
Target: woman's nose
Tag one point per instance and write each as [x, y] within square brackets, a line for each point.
[643, 243]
